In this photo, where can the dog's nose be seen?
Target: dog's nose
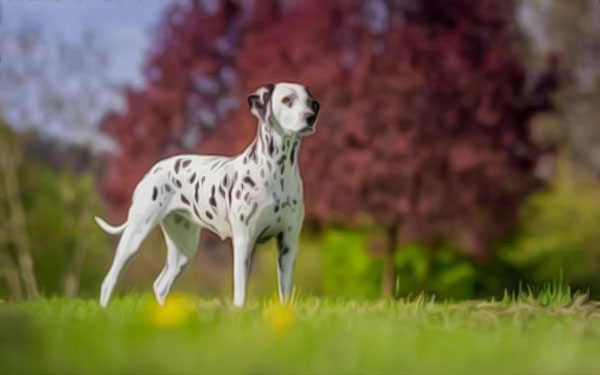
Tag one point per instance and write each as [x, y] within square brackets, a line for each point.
[315, 106]
[310, 120]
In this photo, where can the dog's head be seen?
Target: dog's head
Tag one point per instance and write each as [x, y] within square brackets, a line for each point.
[290, 108]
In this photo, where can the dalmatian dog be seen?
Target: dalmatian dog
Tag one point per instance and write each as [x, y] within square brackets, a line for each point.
[251, 197]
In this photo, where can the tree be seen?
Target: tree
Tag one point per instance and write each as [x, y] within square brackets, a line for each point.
[424, 128]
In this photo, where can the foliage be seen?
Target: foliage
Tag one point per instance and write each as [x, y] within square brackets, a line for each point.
[54, 203]
[559, 230]
[320, 336]
[348, 271]
[57, 206]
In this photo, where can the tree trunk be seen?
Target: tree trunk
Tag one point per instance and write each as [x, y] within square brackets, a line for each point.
[9, 270]
[73, 274]
[17, 218]
[389, 273]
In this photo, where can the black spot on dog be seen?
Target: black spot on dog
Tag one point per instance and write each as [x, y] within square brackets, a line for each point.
[252, 99]
[271, 148]
[252, 153]
[245, 160]
[262, 173]
[242, 217]
[157, 170]
[281, 160]
[280, 239]
[184, 199]
[196, 192]
[212, 201]
[177, 165]
[196, 212]
[212, 191]
[249, 181]
[208, 215]
[246, 197]
[222, 192]
[225, 180]
[203, 179]
[269, 165]
[238, 193]
[281, 182]
[261, 237]
[231, 187]
[283, 250]
[192, 178]
[154, 193]
[276, 208]
[289, 229]
[282, 169]
[293, 153]
[178, 183]
[168, 188]
[252, 212]
[279, 219]
[186, 163]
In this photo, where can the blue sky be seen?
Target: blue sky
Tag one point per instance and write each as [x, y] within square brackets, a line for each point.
[126, 27]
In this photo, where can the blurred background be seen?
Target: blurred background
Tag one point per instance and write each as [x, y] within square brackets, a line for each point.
[458, 150]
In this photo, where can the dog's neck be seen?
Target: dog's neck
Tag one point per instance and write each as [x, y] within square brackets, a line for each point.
[274, 149]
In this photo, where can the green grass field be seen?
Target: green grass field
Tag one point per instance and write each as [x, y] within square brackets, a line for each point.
[559, 334]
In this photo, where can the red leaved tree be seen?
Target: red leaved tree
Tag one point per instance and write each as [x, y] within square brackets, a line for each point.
[424, 126]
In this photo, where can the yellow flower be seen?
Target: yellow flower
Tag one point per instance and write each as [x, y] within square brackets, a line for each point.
[177, 309]
[280, 317]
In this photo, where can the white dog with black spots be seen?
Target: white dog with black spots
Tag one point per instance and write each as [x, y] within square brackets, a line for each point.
[251, 197]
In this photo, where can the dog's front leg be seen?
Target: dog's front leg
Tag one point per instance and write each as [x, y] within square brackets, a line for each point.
[242, 253]
[287, 247]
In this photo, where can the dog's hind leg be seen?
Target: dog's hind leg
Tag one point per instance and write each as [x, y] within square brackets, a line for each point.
[182, 237]
[143, 216]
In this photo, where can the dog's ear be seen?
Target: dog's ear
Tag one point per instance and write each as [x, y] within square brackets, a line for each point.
[259, 101]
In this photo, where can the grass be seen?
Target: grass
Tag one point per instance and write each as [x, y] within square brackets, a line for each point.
[549, 331]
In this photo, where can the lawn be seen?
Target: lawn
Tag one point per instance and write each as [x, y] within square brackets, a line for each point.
[313, 335]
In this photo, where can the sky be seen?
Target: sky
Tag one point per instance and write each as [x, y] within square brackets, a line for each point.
[124, 29]
[126, 26]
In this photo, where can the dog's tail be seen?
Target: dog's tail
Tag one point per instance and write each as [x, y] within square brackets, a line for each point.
[109, 228]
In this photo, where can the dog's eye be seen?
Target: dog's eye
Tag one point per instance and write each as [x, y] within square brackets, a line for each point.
[287, 100]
